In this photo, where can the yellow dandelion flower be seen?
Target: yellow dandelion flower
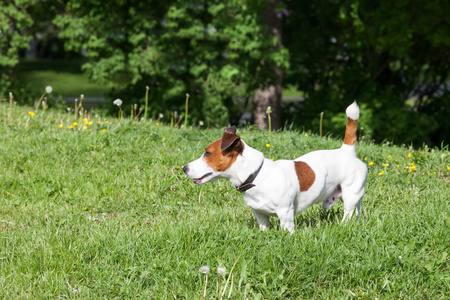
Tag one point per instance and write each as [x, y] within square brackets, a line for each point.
[157, 124]
[70, 127]
[267, 145]
[60, 126]
[381, 173]
[85, 120]
[409, 155]
[164, 139]
[271, 159]
[104, 130]
[31, 113]
[434, 173]
[429, 173]
[413, 167]
[385, 165]
[84, 127]
[448, 168]
[306, 134]
[98, 122]
[106, 122]
[89, 123]
[371, 163]
[389, 156]
[75, 124]
[365, 158]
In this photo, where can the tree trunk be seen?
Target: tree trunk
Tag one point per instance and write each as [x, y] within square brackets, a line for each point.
[270, 94]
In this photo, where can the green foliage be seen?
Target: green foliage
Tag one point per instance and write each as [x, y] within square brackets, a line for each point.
[14, 20]
[174, 47]
[93, 214]
[393, 56]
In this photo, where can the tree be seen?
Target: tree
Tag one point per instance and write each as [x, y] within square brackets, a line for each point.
[390, 56]
[20, 23]
[269, 94]
[211, 50]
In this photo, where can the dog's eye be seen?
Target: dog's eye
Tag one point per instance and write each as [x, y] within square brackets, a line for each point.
[207, 153]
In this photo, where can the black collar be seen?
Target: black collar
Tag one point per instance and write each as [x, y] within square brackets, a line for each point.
[248, 183]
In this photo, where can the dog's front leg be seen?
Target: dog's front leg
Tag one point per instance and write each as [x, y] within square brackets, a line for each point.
[287, 220]
[262, 219]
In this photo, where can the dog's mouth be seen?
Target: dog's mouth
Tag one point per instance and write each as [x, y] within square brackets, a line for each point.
[201, 179]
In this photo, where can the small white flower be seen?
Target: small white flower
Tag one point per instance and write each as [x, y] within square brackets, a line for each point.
[161, 116]
[221, 271]
[117, 102]
[48, 89]
[200, 123]
[204, 270]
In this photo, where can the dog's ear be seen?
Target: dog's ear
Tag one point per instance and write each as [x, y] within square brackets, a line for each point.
[231, 130]
[229, 139]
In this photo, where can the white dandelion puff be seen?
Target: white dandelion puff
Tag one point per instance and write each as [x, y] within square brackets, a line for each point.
[221, 271]
[118, 102]
[204, 270]
[48, 89]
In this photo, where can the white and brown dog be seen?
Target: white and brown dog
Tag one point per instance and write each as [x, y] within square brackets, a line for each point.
[284, 188]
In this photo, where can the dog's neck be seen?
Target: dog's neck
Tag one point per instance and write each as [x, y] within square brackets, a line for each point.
[247, 166]
[248, 184]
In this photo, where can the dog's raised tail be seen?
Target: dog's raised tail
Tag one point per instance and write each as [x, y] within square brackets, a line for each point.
[352, 124]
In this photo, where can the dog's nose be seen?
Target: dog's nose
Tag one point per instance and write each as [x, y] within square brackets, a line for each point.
[185, 169]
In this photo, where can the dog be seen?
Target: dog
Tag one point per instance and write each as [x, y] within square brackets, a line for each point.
[284, 188]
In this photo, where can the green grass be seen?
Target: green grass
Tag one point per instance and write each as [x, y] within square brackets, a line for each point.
[92, 214]
[65, 76]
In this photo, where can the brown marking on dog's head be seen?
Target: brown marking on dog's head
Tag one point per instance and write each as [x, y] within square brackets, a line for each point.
[221, 154]
[305, 174]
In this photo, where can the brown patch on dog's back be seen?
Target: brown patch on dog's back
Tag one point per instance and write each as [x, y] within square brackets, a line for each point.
[305, 174]
[220, 160]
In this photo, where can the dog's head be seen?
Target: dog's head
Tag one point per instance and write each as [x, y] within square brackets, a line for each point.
[217, 159]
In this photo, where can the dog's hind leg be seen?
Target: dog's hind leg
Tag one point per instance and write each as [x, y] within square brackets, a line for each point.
[262, 219]
[352, 203]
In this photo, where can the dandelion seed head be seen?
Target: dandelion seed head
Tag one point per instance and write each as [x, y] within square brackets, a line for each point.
[161, 116]
[48, 89]
[204, 270]
[221, 271]
[117, 102]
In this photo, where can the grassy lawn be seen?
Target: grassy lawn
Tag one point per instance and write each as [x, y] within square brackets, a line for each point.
[65, 76]
[107, 212]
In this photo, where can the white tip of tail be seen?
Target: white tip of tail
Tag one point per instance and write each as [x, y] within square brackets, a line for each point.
[352, 111]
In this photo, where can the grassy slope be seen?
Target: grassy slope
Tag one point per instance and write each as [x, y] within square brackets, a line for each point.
[94, 214]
